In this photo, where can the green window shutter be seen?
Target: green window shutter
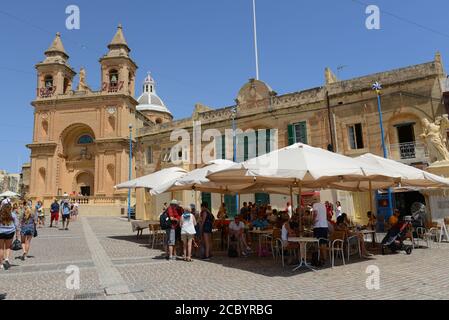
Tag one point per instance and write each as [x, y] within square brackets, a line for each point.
[268, 141]
[206, 197]
[291, 134]
[303, 132]
[245, 148]
[262, 198]
[230, 203]
[223, 147]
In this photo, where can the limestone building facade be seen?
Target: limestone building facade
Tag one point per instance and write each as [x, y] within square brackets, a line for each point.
[341, 115]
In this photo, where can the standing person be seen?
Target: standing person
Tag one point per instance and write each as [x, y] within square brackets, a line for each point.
[320, 227]
[174, 216]
[28, 224]
[75, 211]
[188, 223]
[289, 210]
[329, 210]
[207, 222]
[54, 213]
[5, 200]
[338, 209]
[65, 216]
[40, 214]
[8, 229]
[244, 211]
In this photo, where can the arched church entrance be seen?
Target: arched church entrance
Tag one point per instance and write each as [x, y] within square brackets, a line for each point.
[84, 184]
[77, 155]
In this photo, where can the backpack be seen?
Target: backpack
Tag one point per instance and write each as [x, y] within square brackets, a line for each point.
[165, 221]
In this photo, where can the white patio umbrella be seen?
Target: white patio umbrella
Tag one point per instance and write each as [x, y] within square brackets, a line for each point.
[410, 176]
[302, 166]
[197, 180]
[9, 194]
[155, 179]
[305, 166]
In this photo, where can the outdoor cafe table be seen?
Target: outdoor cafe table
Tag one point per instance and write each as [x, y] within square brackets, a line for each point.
[261, 233]
[367, 232]
[303, 241]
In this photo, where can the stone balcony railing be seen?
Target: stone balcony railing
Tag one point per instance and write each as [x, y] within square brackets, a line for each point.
[409, 152]
[96, 200]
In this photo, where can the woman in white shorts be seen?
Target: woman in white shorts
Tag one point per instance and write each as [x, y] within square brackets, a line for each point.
[188, 232]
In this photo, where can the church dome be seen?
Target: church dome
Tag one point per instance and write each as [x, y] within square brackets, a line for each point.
[149, 101]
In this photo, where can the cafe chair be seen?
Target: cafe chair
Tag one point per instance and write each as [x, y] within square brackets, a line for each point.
[353, 246]
[337, 244]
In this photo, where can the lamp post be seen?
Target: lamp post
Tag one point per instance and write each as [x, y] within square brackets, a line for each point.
[234, 147]
[130, 168]
[378, 87]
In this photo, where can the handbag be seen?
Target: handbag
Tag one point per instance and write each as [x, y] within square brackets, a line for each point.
[16, 245]
[35, 232]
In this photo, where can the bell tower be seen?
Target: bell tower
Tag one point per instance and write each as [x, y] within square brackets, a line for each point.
[118, 70]
[54, 75]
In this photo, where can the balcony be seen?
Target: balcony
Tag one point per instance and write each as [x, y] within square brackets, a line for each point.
[46, 92]
[409, 152]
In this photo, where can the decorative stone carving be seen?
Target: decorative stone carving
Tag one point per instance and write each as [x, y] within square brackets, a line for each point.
[82, 85]
[435, 136]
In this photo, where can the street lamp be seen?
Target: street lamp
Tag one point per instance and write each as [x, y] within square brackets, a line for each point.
[234, 148]
[130, 167]
[378, 87]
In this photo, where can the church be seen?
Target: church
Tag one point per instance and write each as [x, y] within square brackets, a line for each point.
[81, 137]
[80, 141]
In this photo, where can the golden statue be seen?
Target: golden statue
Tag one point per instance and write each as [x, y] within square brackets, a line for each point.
[435, 136]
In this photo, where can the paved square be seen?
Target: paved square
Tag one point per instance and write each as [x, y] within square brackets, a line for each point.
[114, 264]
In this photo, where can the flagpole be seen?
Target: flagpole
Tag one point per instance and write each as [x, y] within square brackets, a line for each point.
[256, 51]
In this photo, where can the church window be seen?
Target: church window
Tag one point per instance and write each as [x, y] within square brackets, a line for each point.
[85, 139]
[48, 82]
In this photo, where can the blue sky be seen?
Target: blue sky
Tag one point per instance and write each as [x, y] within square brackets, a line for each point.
[202, 50]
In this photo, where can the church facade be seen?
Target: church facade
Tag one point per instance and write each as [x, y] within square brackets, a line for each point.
[81, 137]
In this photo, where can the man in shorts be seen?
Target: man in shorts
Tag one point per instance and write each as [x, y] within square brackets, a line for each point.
[54, 211]
[65, 216]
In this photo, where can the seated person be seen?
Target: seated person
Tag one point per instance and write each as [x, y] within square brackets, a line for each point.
[222, 214]
[286, 232]
[394, 219]
[236, 229]
[273, 217]
[342, 226]
[372, 221]
[260, 222]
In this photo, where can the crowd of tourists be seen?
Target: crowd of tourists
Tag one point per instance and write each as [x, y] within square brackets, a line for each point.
[20, 221]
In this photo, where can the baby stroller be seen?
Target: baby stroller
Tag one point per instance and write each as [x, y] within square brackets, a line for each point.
[394, 240]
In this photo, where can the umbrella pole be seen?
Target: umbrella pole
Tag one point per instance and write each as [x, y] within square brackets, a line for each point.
[291, 196]
[371, 197]
[299, 206]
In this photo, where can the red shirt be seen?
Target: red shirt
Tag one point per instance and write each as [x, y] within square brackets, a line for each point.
[174, 212]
